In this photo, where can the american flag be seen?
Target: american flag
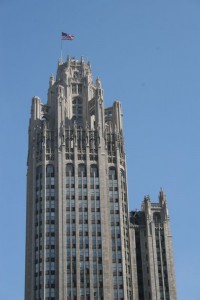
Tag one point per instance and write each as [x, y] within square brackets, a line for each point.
[67, 36]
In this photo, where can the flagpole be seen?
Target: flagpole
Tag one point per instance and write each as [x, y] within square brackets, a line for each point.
[61, 49]
[66, 36]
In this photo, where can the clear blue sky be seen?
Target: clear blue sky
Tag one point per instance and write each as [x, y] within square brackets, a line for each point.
[147, 54]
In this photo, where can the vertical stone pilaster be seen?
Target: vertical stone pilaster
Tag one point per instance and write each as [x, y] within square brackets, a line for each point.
[89, 222]
[133, 264]
[43, 210]
[77, 218]
[170, 261]
[123, 231]
[105, 226]
[30, 229]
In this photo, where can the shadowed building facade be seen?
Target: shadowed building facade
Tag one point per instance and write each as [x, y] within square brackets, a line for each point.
[78, 242]
[151, 252]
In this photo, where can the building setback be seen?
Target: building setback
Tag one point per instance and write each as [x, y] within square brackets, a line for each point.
[79, 244]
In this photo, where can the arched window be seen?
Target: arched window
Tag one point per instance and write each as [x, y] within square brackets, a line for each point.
[157, 218]
[81, 170]
[39, 172]
[77, 110]
[70, 181]
[77, 101]
[93, 171]
[69, 170]
[112, 173]
[50, 170]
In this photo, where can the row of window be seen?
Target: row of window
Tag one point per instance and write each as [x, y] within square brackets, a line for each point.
[161, 255]
[115, 233]
[50, 232]
[81, 173]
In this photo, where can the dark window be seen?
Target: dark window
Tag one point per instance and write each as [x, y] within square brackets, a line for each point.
[93, 171]
[69, 170]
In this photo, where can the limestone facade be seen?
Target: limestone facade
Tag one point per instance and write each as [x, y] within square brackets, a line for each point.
[77, 211]
[79, 244]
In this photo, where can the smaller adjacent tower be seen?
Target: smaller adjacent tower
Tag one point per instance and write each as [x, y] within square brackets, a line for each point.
[151, 251]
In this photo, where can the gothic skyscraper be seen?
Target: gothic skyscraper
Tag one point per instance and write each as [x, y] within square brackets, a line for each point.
[78, 242]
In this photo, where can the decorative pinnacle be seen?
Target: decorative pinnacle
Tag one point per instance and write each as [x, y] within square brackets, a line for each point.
[89, 64]
[51, 80]
[98, 83]
[162, 197]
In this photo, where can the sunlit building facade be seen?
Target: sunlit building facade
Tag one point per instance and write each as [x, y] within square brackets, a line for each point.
[78, 242]
[77, 211]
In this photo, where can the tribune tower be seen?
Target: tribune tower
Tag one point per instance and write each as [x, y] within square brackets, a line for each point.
[77, 238]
